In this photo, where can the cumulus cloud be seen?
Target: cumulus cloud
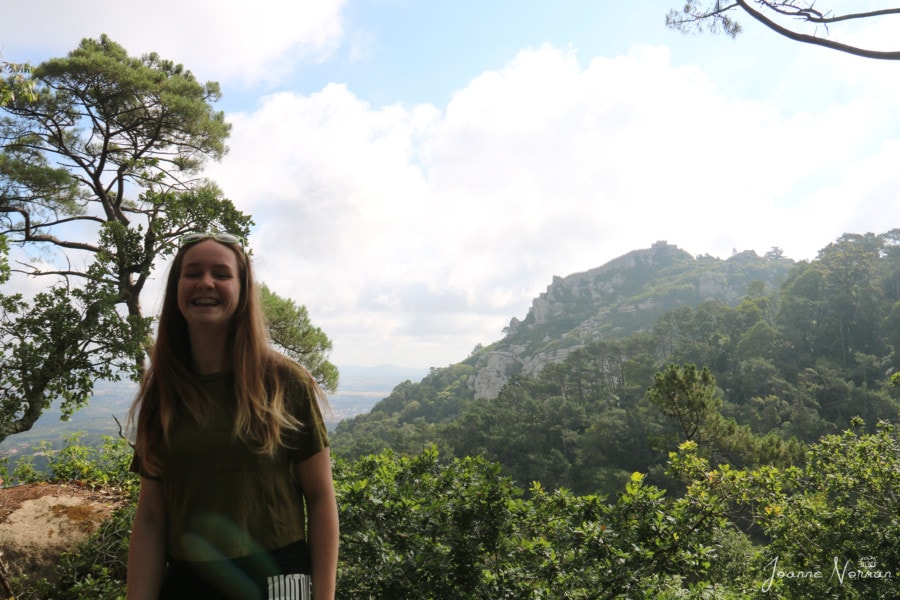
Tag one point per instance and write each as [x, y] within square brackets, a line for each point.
[220, 40]
[415, 232]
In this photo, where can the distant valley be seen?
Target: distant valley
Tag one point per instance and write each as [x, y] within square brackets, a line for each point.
[360, 389]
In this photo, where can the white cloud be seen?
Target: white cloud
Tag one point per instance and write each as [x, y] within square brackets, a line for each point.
[220, 40]
[414, 233]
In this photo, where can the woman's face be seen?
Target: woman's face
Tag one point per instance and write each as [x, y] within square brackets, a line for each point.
[209, 287]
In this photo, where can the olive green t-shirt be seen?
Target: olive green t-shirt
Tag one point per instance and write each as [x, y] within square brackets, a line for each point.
[223, 499]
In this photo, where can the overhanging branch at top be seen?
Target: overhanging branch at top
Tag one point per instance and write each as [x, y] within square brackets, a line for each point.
[713, 16]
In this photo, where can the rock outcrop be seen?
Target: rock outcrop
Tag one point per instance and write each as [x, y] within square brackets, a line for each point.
[39, 521]
[616, 300]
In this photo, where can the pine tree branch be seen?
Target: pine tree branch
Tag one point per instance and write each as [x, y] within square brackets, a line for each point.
[817, 41]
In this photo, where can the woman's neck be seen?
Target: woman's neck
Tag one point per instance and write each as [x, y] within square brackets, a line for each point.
[209, 353]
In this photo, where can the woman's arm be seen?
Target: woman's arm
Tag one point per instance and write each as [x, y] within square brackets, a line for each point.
[315, 479]
[147, 549]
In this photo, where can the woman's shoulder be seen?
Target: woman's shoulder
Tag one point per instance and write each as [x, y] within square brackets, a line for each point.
[287, 369]
[292, 376]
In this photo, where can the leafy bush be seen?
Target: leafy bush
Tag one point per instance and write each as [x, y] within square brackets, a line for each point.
[101, 466]
[428, 528]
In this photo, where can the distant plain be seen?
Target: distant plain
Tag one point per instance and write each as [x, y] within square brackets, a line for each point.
[359, 390]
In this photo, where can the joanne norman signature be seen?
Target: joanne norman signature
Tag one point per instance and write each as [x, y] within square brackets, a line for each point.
[865, 570]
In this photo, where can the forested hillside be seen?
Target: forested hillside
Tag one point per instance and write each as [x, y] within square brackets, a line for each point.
[752, 358]
[726, 449]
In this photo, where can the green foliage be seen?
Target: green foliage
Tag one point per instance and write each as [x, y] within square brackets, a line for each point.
[294, 335]
[47, 354]
[417, 528]
[113, 145]
[756, 380]
[100, 466]
[13, 81]
[625, 470]
[689, 397]
[835, 515]
[841, 509]
[405, 420]
[645, 543]
[426, 527]
[833, 307]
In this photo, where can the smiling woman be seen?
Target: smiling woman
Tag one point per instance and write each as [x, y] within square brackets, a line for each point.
[209, 290]
[236, 497]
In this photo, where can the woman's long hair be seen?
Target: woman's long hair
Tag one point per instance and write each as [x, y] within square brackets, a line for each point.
[263, 377]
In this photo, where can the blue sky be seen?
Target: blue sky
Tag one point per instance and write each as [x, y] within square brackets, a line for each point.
[420, 170]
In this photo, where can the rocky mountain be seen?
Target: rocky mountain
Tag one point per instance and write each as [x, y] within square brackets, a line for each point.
[622, 298]
[625, 296]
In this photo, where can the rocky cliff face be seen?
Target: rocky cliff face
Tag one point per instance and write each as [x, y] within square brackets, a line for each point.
[615, 300]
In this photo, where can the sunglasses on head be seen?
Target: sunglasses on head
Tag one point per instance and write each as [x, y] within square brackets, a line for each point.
[225, 238]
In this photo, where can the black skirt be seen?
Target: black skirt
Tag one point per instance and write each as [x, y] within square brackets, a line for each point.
[281, 574]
